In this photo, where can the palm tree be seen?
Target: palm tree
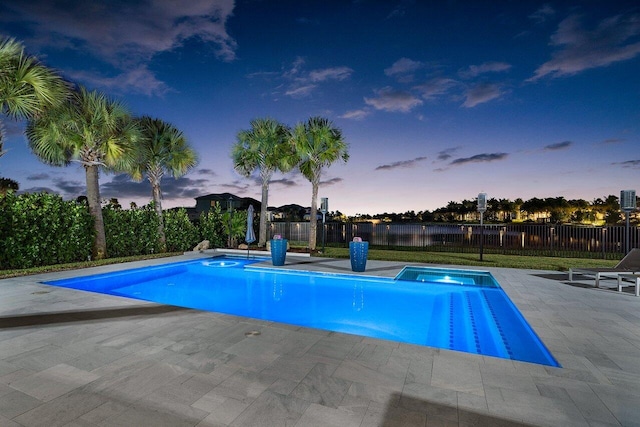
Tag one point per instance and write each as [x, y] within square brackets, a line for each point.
[7, 184]
[263, 147]
[96, 132]
[318, 144]
[162, 150]
[27, 88]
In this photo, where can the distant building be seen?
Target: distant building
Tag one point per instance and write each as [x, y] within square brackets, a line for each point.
[307, 214]
[291, 212]
[275, 214]
[226, 201]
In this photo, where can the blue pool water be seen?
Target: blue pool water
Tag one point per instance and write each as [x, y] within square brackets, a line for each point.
[450, 309]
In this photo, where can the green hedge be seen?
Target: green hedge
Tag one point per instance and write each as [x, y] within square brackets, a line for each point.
[180, 233]
[130, 232]
[42, 229]
[211, 225]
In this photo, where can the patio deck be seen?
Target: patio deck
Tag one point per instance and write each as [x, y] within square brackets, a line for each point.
[73, 358]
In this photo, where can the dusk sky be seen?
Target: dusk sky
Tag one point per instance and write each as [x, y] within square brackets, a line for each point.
[438, 100]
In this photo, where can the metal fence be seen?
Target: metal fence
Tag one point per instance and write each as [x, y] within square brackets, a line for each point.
[525, 239]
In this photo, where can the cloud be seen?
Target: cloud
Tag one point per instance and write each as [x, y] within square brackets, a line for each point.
[301, 83]
[436, 87]
[613, 40]
[543, 14]
[209, 172]
[296, 68]
[300, 91]
[401, 164]
[70, 188]
[402, 67]
[558, 146]
[126, 35]
[265, 75]
[446, 154]
[38, 177]
[33, 190]
[389, 99]
[283, 182]
[631, 164]
[139, 80]
[481, 93]
[487, 67]
[335, 73]
[479, 158]
[356, 114]
[123, 187]
[331, 181]
[613, 141]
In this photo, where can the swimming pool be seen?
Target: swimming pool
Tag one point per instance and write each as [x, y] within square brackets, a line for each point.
[452, 309]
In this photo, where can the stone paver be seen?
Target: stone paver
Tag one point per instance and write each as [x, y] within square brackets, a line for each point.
[73, 358]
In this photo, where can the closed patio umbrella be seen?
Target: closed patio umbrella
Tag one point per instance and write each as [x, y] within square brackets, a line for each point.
[251, 235]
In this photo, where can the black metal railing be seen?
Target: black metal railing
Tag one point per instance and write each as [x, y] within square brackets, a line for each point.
[525, 239]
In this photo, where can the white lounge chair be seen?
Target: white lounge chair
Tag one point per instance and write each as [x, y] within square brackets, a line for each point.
[629, 264]
[629, 279]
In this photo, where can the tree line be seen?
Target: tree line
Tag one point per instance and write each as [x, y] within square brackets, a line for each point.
[551, 209]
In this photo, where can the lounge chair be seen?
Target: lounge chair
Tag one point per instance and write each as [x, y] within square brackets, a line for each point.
[629, 264]
[624, 279]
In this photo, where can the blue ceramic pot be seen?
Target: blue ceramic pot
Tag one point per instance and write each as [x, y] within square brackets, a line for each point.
[278, 251]
[358, 252]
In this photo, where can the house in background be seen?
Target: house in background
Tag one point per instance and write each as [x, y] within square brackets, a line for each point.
[226, 201]
[275, 214]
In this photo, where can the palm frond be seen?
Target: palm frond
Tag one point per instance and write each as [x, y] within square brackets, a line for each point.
[27, 88]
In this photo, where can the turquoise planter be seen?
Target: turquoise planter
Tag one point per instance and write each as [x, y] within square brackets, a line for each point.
[358, 252]
[278, 251]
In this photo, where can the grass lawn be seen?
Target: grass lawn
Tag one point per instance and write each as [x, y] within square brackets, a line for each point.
[489, 260]
[5, 274]
[447, 258]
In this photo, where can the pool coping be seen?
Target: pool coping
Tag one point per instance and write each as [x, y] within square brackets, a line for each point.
[594, 334]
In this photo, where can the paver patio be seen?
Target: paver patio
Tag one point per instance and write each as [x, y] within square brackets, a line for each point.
[73, 358]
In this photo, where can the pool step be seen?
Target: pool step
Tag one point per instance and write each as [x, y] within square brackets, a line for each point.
[463, 331]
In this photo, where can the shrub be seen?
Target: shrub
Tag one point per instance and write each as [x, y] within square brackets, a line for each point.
[211, 227]
[42, 229]
[130, 232]
[180, 233]
[235, 224]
